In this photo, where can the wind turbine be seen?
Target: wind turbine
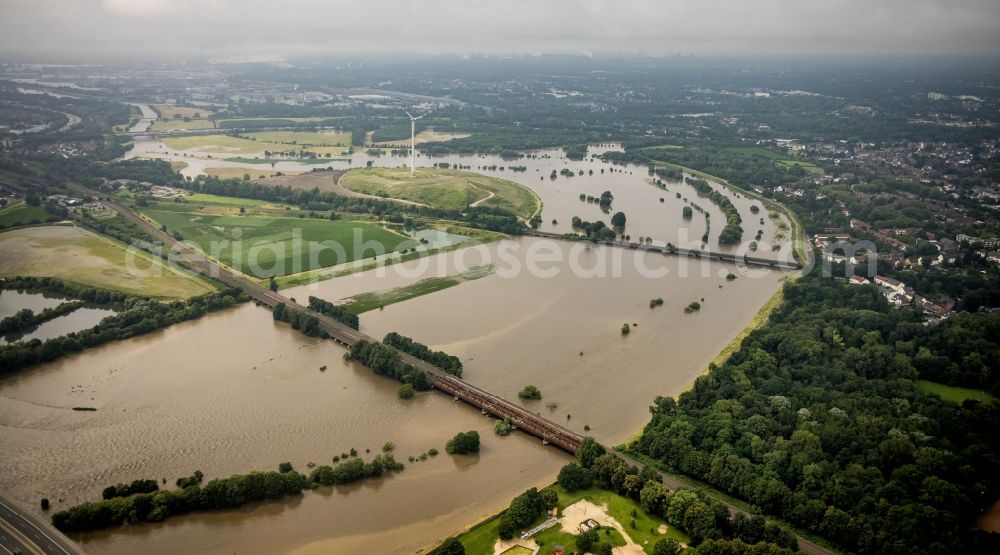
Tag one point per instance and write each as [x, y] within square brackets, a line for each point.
[413, 142]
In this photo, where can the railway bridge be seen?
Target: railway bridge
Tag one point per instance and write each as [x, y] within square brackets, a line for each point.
[532, 423]
[679, 251]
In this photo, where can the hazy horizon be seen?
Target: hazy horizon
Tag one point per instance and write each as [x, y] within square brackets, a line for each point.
[158, 29]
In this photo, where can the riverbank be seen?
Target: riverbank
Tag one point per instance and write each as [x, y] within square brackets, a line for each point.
[798, 238]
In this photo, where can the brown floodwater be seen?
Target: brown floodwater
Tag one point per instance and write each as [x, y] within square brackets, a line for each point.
[528, 323]
[234, 391]
[631, 185]
[12, 301]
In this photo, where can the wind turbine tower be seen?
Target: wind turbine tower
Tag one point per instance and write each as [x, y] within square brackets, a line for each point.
[413, 142]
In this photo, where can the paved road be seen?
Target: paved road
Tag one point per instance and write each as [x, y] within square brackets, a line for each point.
[23, 532]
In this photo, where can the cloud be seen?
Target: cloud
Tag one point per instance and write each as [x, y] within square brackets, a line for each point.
[166, 28]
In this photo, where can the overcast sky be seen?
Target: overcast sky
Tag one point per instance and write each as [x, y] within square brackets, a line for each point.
[169, 28]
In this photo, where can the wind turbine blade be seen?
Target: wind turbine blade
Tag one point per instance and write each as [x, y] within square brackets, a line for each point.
[408, 113]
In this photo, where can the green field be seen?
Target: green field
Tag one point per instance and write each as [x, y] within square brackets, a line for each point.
[22, 214]
[225, 144]
[179, 124]
[952, 393]
[779, 158]
[303, 138]
[77, 255]
[271, 122]
[202, 198]
[443, 188]
[263, 246]
[370, 301]
[480, 539]
[269, 161]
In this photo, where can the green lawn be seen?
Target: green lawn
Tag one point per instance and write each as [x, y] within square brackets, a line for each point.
[22, 214]
[952, 393]
[180, 124]
[269, 161]
[303, 138]
[224, 201]
[779, 158]
[480, 539]
[370, 301]
[756, 151]
[265, 246]
[443, 188]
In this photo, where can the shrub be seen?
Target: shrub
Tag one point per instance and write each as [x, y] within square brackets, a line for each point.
[530, 392]
[463, 443]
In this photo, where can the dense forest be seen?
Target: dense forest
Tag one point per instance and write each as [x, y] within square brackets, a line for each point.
[816, 419]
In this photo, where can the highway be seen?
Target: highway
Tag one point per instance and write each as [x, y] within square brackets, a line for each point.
[21, 532]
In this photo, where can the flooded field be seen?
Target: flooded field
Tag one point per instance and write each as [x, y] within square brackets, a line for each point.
[234, 391]
[651, 211]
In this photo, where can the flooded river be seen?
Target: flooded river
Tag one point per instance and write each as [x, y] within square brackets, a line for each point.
[234, 391]
[651, 211]
[82, 318]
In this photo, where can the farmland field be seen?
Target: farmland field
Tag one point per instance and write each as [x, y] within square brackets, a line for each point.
[256, 173]
[325, 181]
[77, 255]
[171, 111]
[779, 158]
[425, 136]
[175, 124]
[264, 246]
[225, 144]
[443, 188]
[303, 138]
[22, 214]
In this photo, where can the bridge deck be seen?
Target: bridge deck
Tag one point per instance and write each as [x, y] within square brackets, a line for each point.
[491, 404]
[680, 251]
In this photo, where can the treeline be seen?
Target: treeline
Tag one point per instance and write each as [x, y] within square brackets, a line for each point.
[354, 469]
[141, 501]
[333, 311]
[669, 173]
[26, 319]
[158, 171]
[64, 288]
[732, 233]
[595, 230]
[816, 419]
[524, 509]
[224, 493]
[576, 152]
[305, 323]
[692, 511]
[385, 361]
[449, 363]
[125, 490]
[138, 315]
